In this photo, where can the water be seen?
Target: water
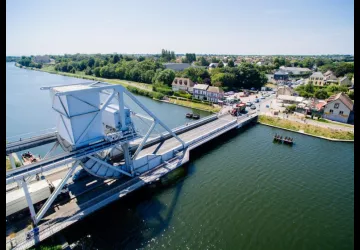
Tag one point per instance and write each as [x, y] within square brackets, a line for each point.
[241, 191]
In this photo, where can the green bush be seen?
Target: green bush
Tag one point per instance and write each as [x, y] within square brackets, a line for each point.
[165, 91]
[155, 95]
[183, 94]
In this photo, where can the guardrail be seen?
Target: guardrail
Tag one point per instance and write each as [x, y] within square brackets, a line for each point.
[93, 204]
[35, 134]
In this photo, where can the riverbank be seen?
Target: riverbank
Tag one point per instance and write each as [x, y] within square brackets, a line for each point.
[312, 130]
[134, 87]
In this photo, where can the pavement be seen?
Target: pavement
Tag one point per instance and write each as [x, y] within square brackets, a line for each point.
[274, 105]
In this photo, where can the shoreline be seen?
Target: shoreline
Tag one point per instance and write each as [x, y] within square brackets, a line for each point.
[118, 81]
[304, 133]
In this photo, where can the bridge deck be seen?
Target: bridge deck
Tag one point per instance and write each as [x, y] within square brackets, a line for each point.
[89, 202]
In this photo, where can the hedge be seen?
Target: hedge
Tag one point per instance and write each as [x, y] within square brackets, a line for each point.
[155, 95]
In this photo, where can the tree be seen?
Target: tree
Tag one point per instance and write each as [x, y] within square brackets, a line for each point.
[116, 58]
[291, 108]
[215, 60]
[351, 95]
[189, 58]
[309, 88]
[203, 61]
[220, 65]
[97, 71]
[91, 62]
[165, 77]
[231, 63]
[321, 94]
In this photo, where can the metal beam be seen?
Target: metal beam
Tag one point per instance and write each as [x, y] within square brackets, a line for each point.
[53, 196]
[109, 165]
[144, 140]
[54, 147]
[99, 112]
[29, 201]
[153, 116]
[122, 110]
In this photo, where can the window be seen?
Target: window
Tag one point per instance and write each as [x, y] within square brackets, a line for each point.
[185, 82]
[331, 111]
[336, 105]
[175, 80]
[341, 112]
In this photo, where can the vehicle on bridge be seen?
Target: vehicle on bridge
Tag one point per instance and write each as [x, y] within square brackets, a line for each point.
[16, 204]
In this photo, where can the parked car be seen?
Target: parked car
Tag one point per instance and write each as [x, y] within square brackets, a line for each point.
[256, 100]
[248, 104]
[81, 174]
[253, 107]
[262, 97]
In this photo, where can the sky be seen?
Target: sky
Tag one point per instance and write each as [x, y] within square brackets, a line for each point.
[242, 27]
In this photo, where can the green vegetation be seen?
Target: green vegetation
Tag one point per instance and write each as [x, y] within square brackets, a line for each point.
[309, 129]
[27, 62]
[8, 164]
[43, 247]
[309, 90]
[291, 108]
[189, 58]
[191, 104]
[244, 76]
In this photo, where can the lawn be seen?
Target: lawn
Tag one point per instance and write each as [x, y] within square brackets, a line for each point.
[310, 129]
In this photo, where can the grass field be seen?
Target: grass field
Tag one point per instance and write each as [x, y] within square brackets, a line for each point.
[309, 129]
[194, 105]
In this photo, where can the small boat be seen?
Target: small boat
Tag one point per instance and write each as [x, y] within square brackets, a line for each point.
[189, 115]
[196, 117]
[28, 158]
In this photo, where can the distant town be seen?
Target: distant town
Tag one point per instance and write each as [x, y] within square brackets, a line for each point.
[320, 86]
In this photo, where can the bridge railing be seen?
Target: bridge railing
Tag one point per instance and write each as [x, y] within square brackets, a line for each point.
[47, 227]
[25, 136]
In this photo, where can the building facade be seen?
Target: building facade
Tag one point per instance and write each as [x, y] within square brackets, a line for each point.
[339, 108]
[184, 84]
[345, 81]
[205, 92]
[318, 79]
[281, 75]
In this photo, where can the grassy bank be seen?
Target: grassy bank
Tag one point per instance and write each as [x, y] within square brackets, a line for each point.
[134, 87]
[309, 129]
[194, 105]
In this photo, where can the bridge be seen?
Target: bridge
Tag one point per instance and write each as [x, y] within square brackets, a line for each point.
[122, 158]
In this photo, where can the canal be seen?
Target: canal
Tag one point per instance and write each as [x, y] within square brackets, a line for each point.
[240, 191]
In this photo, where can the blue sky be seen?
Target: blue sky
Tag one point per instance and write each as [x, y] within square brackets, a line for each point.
[213, 27]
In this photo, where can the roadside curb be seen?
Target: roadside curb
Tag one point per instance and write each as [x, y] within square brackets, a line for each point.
[299, 132]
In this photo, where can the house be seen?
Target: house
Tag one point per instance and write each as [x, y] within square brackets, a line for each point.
[329, 75]
[41, 59]
[213, 65]
[295, 70]
[317, 78]
[284, 90]
[199, 91]
[214, 94]
[177, 66]
[281, 75]
[207, 93]
[345, 81]
[339, 107]
[182, 84]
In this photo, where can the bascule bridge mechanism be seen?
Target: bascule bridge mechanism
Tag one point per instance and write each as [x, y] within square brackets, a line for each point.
[95, 130]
